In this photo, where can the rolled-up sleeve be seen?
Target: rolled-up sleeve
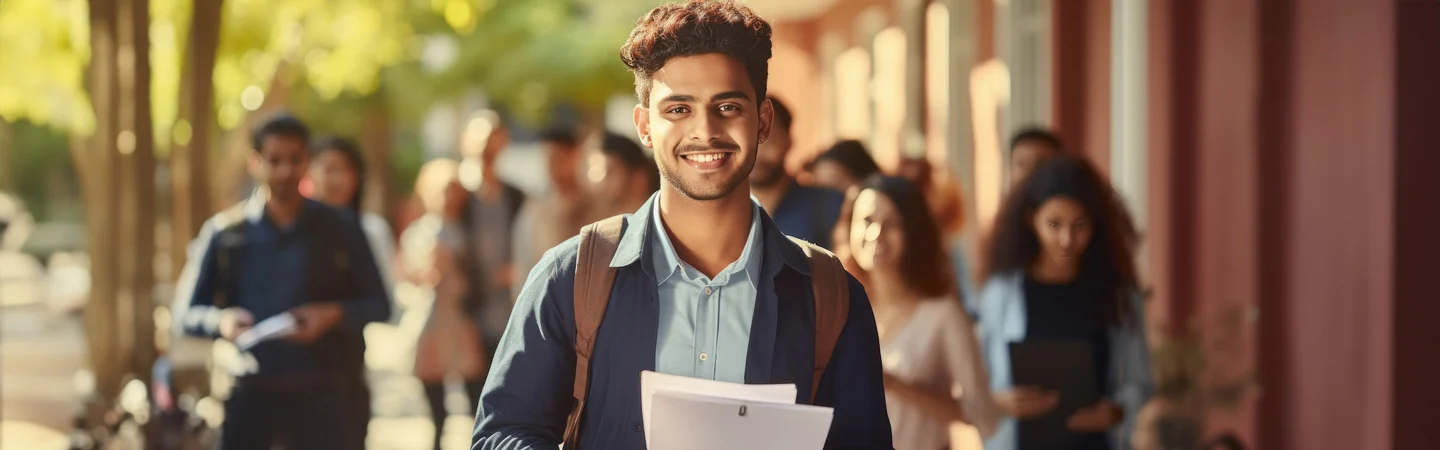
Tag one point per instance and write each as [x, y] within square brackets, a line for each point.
[854, 384]
[527, 395]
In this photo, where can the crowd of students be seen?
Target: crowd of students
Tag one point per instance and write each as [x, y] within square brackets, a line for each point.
[928, 340]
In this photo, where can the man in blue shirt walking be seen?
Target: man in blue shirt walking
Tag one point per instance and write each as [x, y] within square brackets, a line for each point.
[705, 284]
[277, 253]
[805, 212]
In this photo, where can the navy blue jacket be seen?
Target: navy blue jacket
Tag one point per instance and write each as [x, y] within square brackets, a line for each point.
[529, 391]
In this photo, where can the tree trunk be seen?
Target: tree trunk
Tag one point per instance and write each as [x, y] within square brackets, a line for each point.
[117, 174]
[95, 160]
[189, 161]
[137, 161]
[377, 142]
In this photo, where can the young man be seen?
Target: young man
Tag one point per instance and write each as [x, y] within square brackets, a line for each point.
[705, 285]
[630, 176]
[804, 212]
[490, 225]
[1028, 148]
[279, 253]
[558, 215]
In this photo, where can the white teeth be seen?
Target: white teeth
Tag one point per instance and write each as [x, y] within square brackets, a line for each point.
[705, 157]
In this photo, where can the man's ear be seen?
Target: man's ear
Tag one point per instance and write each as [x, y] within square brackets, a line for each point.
[252, 164]
[642, 125]
[767, 119]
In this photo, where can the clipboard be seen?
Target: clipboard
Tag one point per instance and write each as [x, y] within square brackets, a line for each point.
[688, 421]
[1063, 366]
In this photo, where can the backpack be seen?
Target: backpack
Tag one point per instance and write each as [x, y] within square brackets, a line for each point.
[594, 279]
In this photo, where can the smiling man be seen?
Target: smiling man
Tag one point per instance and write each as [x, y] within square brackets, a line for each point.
[699, 282]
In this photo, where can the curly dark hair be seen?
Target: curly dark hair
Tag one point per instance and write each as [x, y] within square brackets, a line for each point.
[924, 264]
[698, 27]
[1107, 265]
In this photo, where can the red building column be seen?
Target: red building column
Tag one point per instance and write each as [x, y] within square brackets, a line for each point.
[1417, 395]
[1081, 77]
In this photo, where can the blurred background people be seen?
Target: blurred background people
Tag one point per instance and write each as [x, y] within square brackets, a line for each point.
[489, 225]
[450, 343]
[942, 194]
[337, 178]
[558, 214]
[845, 164]
[280, 253]
[804, 212]
[1028, 148]
[1062, 269]
[934, 373]
[625, 178]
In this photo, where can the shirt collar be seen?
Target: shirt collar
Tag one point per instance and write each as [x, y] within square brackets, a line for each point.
[667, 263]
[254, 208]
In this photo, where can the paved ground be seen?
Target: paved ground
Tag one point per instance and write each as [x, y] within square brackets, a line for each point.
[41, 352]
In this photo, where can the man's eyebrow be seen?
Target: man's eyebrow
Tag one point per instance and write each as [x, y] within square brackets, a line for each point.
[678, 98]
[730, 95]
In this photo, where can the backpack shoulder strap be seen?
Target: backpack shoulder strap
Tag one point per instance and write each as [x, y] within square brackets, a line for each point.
[593, 280]
[831, 287]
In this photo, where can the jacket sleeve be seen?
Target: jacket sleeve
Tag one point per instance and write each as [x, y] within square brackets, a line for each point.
[1137, 382]
[527, 396]
[196, 288]
[854, 384]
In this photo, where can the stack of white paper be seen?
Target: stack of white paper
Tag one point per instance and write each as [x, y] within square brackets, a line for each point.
[689, 413]
[276, 327]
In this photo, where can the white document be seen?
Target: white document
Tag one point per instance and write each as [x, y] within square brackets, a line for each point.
[652, 383]
[276, 327]
[700, 422]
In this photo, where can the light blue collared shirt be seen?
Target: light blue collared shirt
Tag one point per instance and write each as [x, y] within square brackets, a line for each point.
[705, 323]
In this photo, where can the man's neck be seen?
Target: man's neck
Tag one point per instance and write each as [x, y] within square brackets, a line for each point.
[709, 235]
[770, 196]
[283, 211]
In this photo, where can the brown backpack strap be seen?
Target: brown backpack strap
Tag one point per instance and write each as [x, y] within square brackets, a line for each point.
[593, 279]
[831, 286]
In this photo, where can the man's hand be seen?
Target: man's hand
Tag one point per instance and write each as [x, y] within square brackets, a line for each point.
[313, 320]
[1095, 418]
[1026, 402]
[233, 321]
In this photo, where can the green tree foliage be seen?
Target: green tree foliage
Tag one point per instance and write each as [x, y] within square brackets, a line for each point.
[46, 45]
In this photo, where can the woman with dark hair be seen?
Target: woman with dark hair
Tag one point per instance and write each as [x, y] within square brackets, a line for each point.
[927, 341]
[1061, 269]
[337, 177]
[845, 164]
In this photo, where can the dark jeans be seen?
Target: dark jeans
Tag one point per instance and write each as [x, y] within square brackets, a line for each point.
[262, 414]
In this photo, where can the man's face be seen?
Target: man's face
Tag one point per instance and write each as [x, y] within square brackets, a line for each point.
[1026, 156]
[563, 161]
[770, 162]
[616, 177]
[704, 123]
[280, 164]
[495, 143]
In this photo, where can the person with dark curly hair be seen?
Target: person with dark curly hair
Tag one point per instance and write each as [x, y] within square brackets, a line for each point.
[1061, 268]
[699, 282]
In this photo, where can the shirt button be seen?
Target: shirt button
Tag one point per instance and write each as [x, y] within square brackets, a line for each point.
[707, 291]
[637, 428]
[704, 356]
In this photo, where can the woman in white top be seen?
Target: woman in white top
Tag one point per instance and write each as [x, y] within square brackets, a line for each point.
[337, 174]
[934, 374]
